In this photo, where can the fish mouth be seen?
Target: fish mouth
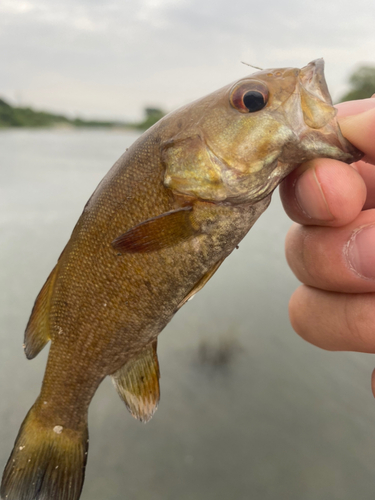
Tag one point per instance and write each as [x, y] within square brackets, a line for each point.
[313, 80]
[312, 117]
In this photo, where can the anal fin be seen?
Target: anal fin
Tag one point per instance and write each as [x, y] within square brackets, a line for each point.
[37, 329]
[200, 284]
[137, 383]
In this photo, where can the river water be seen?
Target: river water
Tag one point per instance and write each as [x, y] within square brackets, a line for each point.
[248, 410]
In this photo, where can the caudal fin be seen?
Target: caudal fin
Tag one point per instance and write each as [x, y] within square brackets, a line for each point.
[47, 462]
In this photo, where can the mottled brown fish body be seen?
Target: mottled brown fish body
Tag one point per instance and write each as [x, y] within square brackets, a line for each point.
[158, 226]
[106, 306]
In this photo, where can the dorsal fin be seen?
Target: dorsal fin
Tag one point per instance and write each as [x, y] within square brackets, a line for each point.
[137, 383]
[156, 233]
[37, 330]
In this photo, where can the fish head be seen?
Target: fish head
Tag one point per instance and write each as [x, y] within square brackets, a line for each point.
[242, 140]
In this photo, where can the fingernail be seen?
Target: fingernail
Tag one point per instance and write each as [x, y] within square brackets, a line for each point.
[361, 252]
[310, 196]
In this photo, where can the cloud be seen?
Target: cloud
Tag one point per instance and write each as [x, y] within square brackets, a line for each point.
[110, 58]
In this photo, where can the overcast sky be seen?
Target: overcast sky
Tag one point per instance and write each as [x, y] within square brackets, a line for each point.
[110, 58]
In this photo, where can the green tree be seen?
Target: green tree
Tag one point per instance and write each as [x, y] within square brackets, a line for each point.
[362, 83]
[7, 116]
[152, 115]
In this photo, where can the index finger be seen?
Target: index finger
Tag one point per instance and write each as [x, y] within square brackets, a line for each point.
[350, 108]
[359, 129]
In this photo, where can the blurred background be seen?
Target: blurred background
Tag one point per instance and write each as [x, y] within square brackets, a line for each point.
[248, 409]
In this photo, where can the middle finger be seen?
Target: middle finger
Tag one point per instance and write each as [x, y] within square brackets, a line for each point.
[335, 259]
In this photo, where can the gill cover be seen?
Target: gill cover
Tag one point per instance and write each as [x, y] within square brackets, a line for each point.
[193, 169]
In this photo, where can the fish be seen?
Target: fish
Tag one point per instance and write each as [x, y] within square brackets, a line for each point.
[156, 229]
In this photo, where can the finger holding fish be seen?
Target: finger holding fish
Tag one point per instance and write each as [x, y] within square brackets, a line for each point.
[358, 121]
[317, 192]
[334, 309]
[320, 250]
[335, 259]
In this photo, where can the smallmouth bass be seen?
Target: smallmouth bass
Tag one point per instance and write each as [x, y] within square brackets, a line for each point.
[156, 229]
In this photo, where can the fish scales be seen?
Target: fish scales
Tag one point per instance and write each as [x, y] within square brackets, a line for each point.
[156, 229]
[106, 318]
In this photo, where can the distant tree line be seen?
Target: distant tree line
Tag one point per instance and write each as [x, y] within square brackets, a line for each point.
[362, 84]
[26, 117]
[12, 116]
[152, 115]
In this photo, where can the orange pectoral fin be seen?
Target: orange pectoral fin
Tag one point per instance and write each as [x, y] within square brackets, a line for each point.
[157, 233]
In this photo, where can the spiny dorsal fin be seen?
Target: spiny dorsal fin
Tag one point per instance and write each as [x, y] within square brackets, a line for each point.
[198, 286]
[137, 383]
[37, 330]
[156, 233]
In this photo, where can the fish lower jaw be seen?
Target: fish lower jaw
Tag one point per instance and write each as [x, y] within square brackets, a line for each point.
[321, 149]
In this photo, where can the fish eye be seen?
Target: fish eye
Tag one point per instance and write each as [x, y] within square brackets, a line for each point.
[253, 101]
[249, 96]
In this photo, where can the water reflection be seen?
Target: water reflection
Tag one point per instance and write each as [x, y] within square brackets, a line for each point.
[278, 419]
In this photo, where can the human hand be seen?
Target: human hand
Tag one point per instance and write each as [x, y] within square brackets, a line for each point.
[332, 248]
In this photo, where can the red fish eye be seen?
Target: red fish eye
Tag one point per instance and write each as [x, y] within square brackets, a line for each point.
[249, 96]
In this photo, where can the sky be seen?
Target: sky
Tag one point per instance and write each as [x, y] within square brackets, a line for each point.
[109, 59]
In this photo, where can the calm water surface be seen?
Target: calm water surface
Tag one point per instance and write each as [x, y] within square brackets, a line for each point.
[280, 420]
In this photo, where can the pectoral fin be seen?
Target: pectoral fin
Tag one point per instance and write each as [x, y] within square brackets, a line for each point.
[37, 331]
[159, 232]
[198, 286]
[137, 383]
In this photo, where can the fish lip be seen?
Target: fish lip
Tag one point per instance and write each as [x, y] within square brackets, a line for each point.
[328, 138]
[353, 153]
[313, 80]
[341, 150]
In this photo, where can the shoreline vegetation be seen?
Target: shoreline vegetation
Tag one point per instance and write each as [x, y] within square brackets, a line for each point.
[361, 86]
[16, 117]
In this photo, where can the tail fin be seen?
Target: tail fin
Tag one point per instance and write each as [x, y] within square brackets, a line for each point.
[46, 462]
